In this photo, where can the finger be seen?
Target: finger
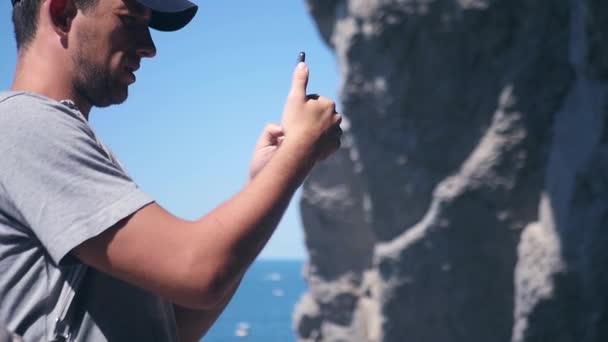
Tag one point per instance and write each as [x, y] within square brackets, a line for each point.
[269, 135]
[274, 129]
[326, 103]
[299, 81]
[337, 119]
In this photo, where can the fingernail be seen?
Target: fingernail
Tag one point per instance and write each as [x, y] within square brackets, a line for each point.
[301, 65]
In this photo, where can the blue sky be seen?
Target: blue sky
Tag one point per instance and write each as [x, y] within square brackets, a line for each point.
[187, 131]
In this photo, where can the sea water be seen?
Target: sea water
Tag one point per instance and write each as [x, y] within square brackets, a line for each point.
[261, 310]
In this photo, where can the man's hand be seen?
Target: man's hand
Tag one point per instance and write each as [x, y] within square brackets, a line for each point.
[310, 121]
[267, 144]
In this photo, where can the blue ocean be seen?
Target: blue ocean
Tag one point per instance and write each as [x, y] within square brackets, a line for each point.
[261, 310]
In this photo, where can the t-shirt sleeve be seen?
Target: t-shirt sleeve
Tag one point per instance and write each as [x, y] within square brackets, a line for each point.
[56, 178]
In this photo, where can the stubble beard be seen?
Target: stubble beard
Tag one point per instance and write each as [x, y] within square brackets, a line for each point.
[95, 84]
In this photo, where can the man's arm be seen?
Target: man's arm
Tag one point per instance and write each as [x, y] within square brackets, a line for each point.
[194, 264]
[192, 324]
[197, 264]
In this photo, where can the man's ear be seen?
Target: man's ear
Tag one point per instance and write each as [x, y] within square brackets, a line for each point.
[61, 13]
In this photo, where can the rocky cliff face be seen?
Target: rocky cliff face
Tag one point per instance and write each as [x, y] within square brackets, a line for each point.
[470, 199]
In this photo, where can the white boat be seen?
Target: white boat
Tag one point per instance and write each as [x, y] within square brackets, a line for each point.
[275, 276]
[242, 329]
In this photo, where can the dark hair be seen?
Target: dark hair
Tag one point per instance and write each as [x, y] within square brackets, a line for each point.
[25, 18]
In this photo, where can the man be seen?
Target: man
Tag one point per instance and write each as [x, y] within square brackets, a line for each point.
[84, 254]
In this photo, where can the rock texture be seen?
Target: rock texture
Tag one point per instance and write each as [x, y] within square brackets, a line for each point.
[469, 201]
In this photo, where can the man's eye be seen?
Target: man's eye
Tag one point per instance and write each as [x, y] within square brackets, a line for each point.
[128, 20]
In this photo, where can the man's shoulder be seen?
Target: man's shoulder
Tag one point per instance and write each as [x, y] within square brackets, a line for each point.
[7, 94]
[24, 100]
[11, 98]
[29, 110]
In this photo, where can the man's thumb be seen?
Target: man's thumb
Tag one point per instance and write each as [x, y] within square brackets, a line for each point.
[299, 81]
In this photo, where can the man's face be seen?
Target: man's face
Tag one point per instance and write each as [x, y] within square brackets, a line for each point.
[109, 41]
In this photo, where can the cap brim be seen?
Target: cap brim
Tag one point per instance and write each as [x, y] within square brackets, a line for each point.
[170, 15]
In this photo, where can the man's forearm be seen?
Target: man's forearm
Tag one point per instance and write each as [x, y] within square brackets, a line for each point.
[243, 224]
[245, 245]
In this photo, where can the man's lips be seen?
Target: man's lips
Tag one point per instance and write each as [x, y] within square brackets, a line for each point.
[131, 69]
[132, 66]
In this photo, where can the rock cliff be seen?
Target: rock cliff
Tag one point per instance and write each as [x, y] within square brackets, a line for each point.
[469, 201]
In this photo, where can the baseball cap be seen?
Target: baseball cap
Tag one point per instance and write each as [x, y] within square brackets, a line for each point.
[170, 15]
[167, 15]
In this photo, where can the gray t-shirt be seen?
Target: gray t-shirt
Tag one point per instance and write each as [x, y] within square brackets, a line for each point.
[59, 186]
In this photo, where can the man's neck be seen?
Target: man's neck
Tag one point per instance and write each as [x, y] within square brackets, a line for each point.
[39, 73]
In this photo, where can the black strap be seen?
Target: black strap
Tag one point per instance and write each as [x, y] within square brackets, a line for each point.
[66, 323]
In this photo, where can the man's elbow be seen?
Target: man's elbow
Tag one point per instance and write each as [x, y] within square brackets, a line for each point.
[199, 296]
[206, 290]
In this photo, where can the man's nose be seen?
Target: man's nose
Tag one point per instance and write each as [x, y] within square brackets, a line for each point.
[145, 46]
